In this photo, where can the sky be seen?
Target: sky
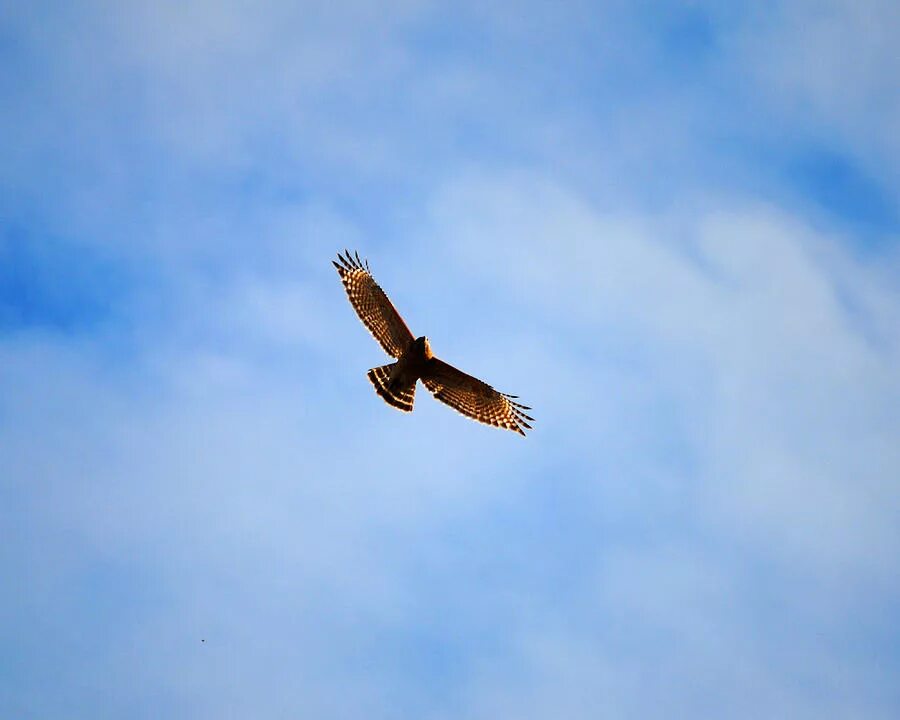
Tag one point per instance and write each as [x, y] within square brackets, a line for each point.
[671, 227]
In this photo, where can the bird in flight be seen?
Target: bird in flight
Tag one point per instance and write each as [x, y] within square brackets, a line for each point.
[396, 382]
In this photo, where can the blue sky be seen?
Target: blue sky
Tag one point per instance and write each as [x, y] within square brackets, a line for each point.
[671, 227]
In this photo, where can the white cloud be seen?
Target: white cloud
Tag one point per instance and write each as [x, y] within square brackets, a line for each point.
[705, 509]
[788, 408]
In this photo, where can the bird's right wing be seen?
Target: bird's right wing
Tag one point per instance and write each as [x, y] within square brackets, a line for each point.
[474, 398]
[372, 305]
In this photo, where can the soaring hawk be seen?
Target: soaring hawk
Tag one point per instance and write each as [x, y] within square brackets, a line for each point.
[396, 382]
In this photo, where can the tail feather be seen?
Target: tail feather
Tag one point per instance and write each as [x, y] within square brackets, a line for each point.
[400, 398]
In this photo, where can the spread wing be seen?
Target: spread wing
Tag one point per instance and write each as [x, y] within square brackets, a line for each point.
[474, 398]
[372, 305]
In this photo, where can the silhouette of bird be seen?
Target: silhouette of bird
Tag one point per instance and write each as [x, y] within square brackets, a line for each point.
[396, 382]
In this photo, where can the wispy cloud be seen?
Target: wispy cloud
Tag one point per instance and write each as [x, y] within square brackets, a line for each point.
[623, 213]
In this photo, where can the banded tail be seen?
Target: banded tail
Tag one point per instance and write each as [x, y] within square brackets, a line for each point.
[401, 398]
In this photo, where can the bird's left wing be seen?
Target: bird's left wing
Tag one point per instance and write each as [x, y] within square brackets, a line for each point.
[474, 398]
[372, 305]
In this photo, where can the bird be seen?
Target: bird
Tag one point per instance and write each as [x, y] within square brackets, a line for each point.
[395, 382]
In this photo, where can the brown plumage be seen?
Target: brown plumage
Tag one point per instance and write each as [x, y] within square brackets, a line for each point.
[396, 382]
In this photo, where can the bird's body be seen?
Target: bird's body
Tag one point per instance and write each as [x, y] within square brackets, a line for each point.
[396, 382]
[413, 364]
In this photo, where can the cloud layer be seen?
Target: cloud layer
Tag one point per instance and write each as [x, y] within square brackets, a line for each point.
[619, 212]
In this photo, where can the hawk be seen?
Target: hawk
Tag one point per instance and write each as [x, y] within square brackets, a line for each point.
[396, 382]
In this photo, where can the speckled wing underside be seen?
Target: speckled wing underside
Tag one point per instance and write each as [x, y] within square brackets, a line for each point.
[372, 305]
[474, 398]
